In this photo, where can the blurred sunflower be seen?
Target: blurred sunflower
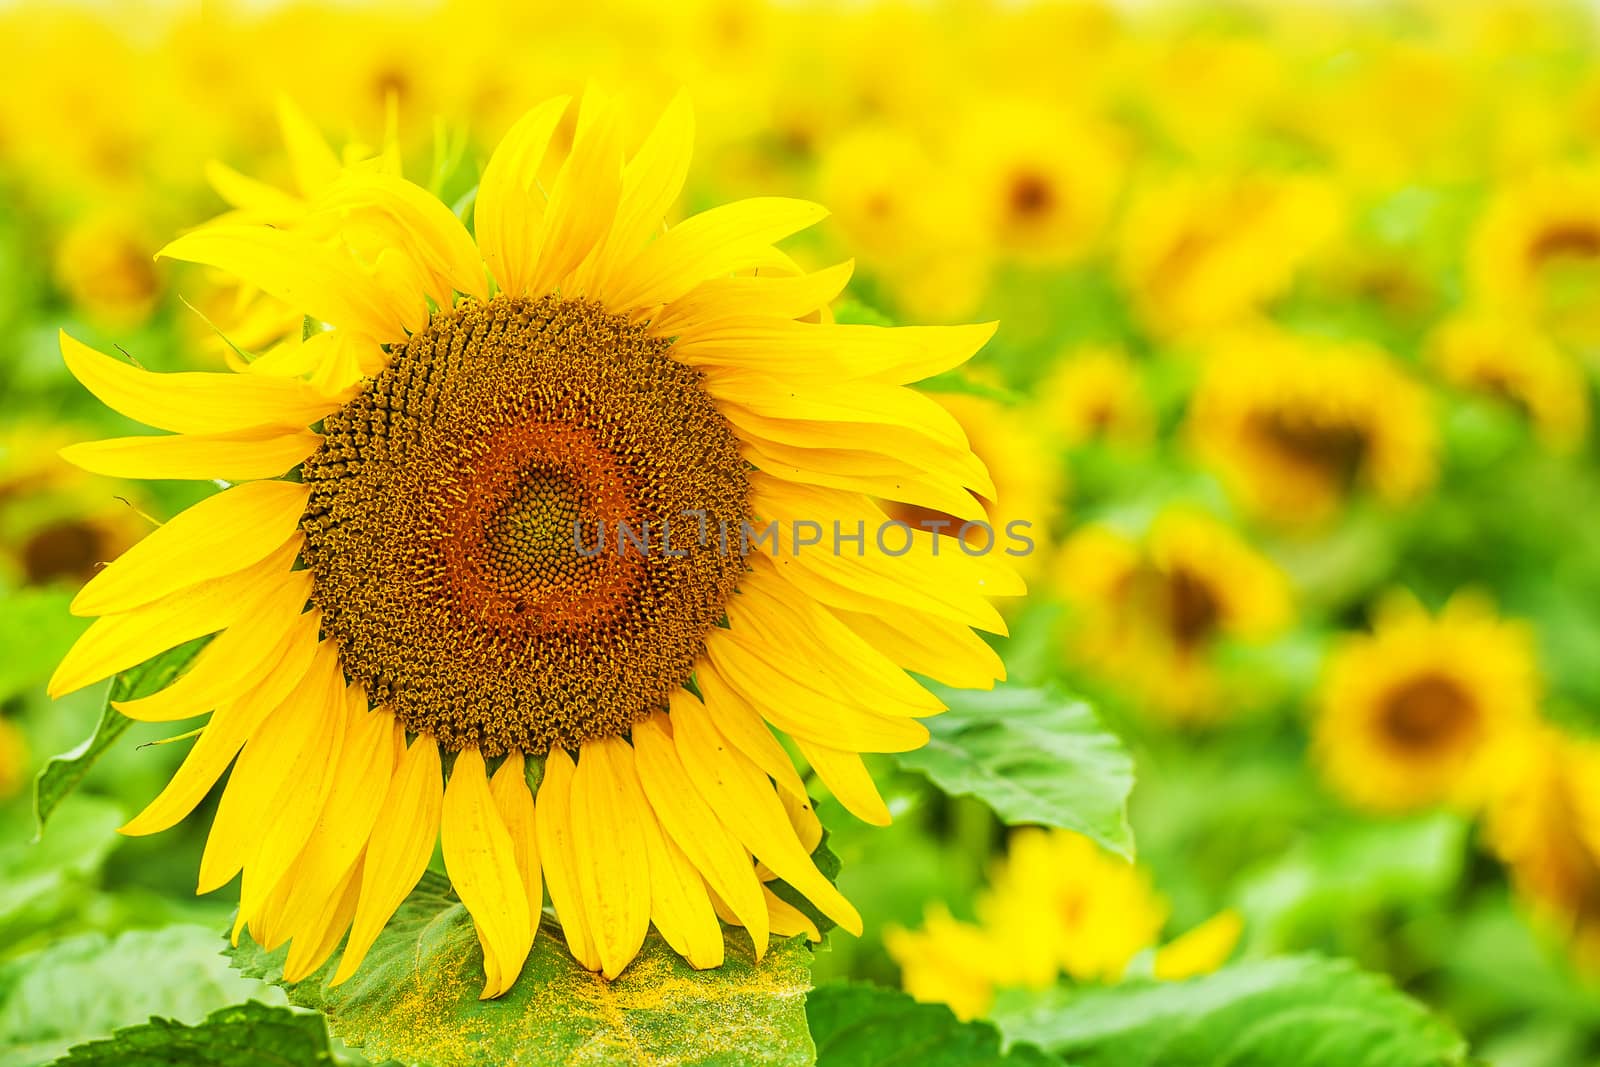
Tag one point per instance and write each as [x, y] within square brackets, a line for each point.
[1519, 365]
[1544, 823]
[1294, 425]
[1535, 254]
[1198, 254]
[14, 761]
[1096, 394]
[1418, 712]
[610, 373]
[1151, 613]
[1056, 904]
[105, 264]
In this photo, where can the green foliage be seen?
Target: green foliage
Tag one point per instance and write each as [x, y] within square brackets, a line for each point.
[87, 986]
[858, 1025]
[64, 773]
[47, 880]
[1034, 756]
[415, 999]
[35, 631]
[1302, 1010]
[248, 1035]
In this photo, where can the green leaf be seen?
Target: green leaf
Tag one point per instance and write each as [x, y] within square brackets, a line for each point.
[859, 1025]
[61, 774]
[1303, 1010]
[45, 882]
[1036, 756]
[87, 986]
[415, 999]
[246, 1035]
[829, 865]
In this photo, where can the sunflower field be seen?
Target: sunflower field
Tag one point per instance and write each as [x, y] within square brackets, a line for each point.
[1047, 534]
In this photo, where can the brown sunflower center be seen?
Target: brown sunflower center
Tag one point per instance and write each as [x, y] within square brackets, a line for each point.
[1193, 610]
[1333, 451]
[465, 518]
[1428, 713]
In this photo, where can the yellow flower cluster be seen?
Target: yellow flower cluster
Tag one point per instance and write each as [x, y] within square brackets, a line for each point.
[1057, 904]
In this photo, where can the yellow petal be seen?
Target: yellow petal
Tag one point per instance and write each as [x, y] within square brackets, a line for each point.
[609, 848]
[692, 824]
[482, 864]
[510, 207]
[714, 303]
[352, 808]
[116, 642]
[235, 457]
[892, 355]
[398, 852]
[814, 708]
[744, 799]
[743, 726]
[847, 779]
[583, 200]
[1201, 950]
[553, 821]
[425, 230]
[314, 943]
[680, 908]
[226, 732]
[651, 182]
[220, 535]
[311, 159]
[719, 241]
[194, 401]
[291, 813]
[788, 920]
[939, 649]
[322, 281]
[514, 802]
[237, 660]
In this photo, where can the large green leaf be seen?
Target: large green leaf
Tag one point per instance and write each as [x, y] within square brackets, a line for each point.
[49, 882]
[61, 774]
[859, 1025]
[246, 1035]
[1308, 1011]
[415, 999]
[85, 987]
[1036, 756]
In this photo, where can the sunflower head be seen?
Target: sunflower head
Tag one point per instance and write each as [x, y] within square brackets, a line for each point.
[1416, 713]
[1519, 366]
[519, 558]
[1535, 254]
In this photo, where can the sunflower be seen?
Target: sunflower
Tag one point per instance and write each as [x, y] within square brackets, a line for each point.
[1096, 393]
[14, 761]
[1519, 365]
[1417, 712]
[1544, 823]
[1535, 254]
[1294, 425]
[104, 264]
[1197, 255]
[1152, 612]
[412, 608]
[1056, 904]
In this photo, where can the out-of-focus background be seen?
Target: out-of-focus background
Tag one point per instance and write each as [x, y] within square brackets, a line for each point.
[1300, 316]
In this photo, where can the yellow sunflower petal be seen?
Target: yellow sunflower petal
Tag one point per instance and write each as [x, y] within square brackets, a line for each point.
[221, 535]
[694, 827]
[282, 749]
[788, 920]
[708, 307]
[745, 798]
[947, 652]
[116, 642]
[608, 846]
[482, 864]
[743, 726]
[510, 207]
[583, 200]
[235, 457]
[314, 943]
[651, 183]
[194, 401]
[553, 822]
[847, 779]
[226, 732]
[236, 660]
[514, 801]
[719, 241]
[312, 161]
[398, 852]
[324, 282]
[680, 907]
[421, 226]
